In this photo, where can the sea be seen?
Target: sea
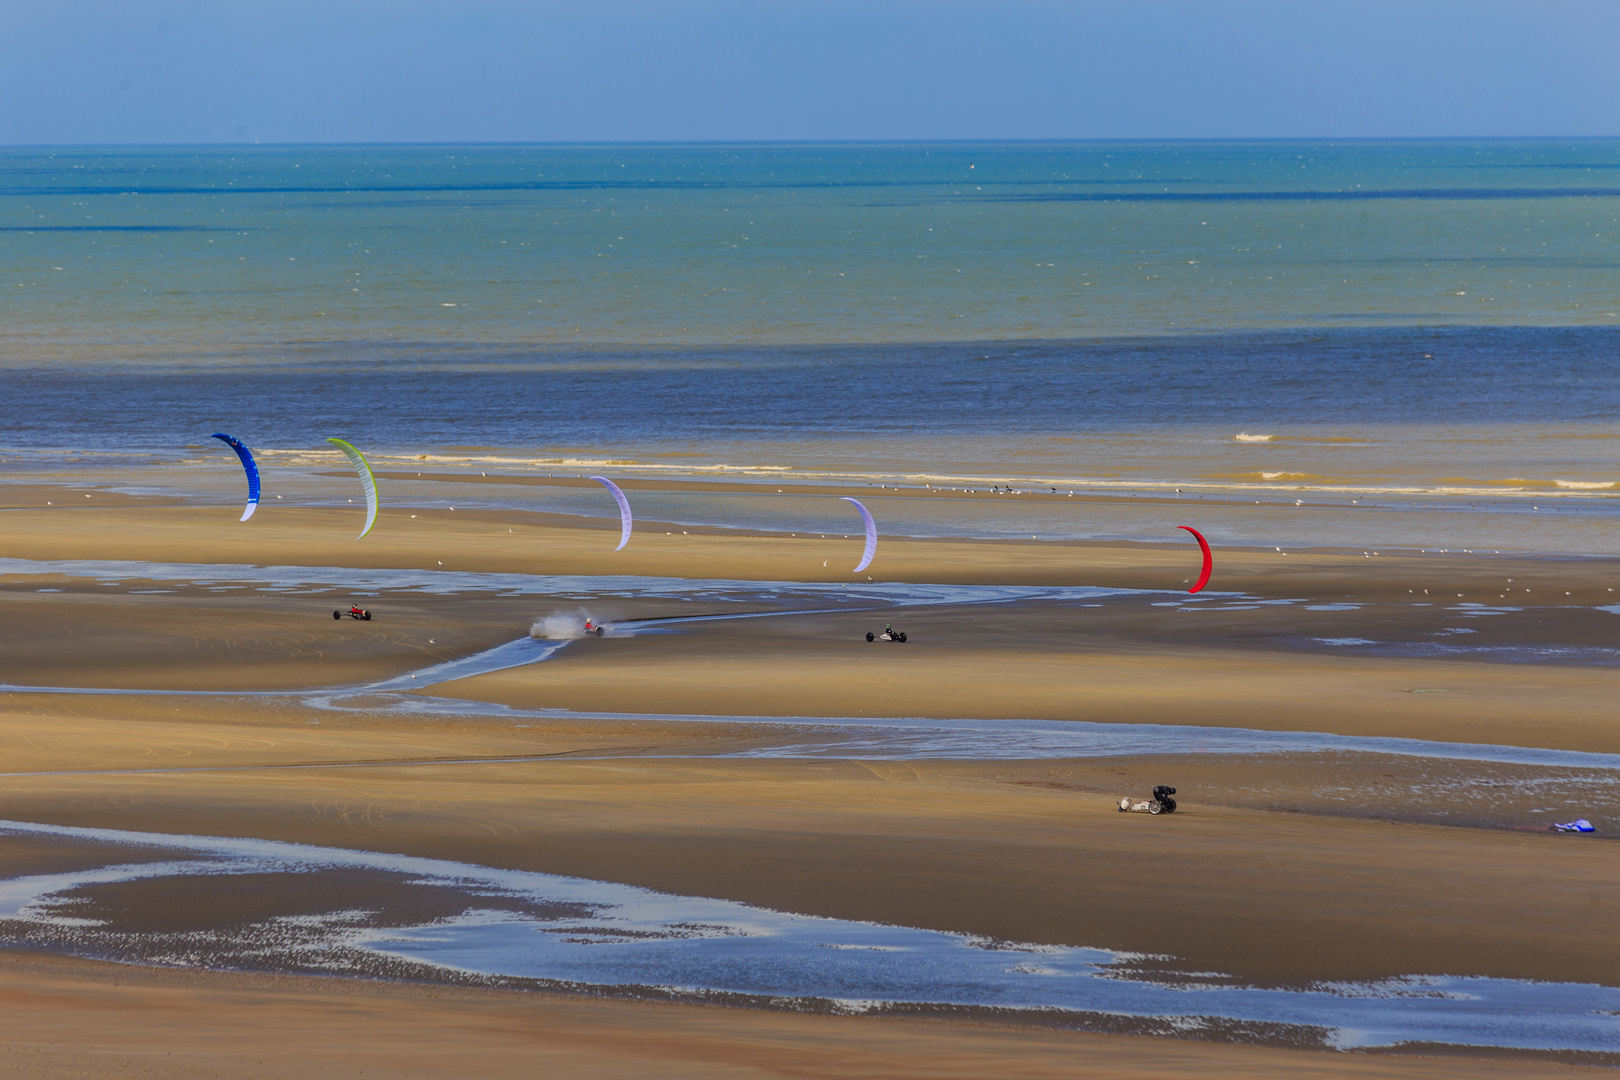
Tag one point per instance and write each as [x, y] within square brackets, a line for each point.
[1402, 344]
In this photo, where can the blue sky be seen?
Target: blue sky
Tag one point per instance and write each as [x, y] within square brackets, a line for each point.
[186, 71]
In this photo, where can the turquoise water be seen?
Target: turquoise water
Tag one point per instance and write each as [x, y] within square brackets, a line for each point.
[195, 254]
[1422, 327]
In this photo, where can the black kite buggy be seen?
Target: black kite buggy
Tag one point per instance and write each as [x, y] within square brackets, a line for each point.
[354, 612]
[889, 634]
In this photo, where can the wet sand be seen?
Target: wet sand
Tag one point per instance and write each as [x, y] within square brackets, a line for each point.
[1261, 874]
[1027, 851]
[65, 1017]
[92, 636]
[538, 543]
[1454, 701]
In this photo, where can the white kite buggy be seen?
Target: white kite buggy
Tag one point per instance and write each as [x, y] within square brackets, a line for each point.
[1161, 803]
[889, 634]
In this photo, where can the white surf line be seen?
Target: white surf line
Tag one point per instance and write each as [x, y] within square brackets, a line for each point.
[761, 477]
[576, 933]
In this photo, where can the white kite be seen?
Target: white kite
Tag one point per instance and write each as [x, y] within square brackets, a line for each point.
[624, 510]
[871, 534]
[367, 481]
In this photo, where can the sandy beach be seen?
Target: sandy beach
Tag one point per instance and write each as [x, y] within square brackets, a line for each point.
[1284, 868]
[79, 1018]
[1045, 540]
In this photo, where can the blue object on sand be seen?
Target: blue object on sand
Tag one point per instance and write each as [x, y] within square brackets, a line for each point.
[1578, 825]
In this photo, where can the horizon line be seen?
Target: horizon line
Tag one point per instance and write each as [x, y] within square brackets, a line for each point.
[1133, 140]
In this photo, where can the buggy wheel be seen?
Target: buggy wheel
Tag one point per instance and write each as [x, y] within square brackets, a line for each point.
[869, 636]
[1155, 808]
[902, 637]
[337, 614]
[599, 631]
[366, 615]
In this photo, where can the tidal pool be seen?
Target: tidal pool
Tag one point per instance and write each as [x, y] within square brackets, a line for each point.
[211, 902]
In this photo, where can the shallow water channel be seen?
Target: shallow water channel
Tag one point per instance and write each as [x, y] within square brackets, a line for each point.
[333, 910]
[193, 901]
